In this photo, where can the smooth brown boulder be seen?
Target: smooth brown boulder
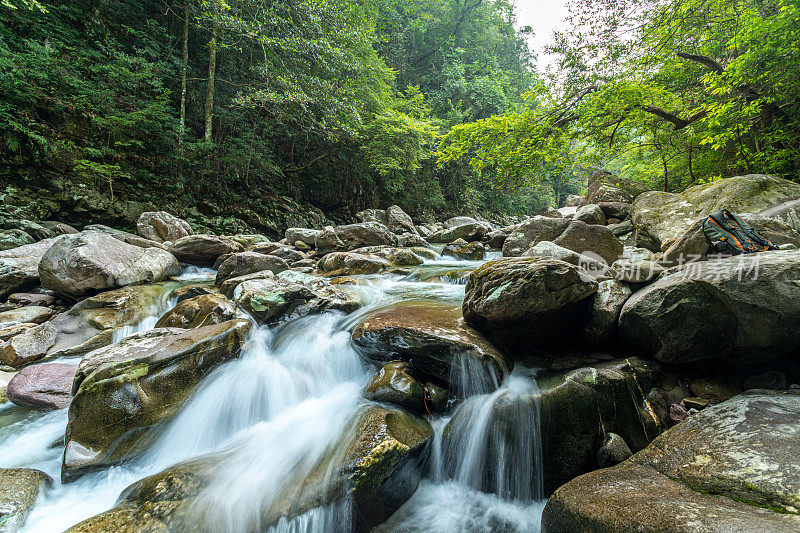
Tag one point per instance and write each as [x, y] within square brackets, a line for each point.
[43, 387]
[203, 310]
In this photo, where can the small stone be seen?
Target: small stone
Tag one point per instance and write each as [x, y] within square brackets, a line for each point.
[695, 403]
[613, 451]
[677, 413]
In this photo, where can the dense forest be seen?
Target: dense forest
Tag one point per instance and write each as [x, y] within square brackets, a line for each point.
[435, 105]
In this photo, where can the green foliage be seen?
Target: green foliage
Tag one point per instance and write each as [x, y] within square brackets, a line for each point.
[671, 92]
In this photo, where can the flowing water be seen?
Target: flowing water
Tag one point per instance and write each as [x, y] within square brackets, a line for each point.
[278, 410]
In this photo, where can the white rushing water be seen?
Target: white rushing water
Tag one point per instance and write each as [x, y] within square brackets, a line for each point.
[274, 413]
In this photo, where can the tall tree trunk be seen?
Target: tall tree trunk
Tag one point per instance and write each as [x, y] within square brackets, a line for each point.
[212, 64]
[184, 67]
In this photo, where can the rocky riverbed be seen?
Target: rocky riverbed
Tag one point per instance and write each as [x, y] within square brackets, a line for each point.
[589, 369]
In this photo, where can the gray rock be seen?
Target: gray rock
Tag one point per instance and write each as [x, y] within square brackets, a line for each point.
[19, 267]
[608, 302]
[787, 212]
[33, 313]
[458, 221]
[574, 235]
[399, 221]
[28, 346]
[161, 226]
[290, 295]
[658, 216]
[469, 231]
[474, 251]
[606, 187]
[242, 263]
[372, 215]
[305, 235]
[91, 261]
[351, 263]
[122, 390]
[593, 266]
[635, 271]
[527, 302]
[203, 250]
[739, 307]
[591, 214]
[124, 236]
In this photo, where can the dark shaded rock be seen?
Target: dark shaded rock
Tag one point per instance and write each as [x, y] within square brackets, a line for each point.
[613, 451]
[528, 302]
[772, 380]
[738, 307]
[615, 210]
[590, 214]
[203, 310]
[243, 263]
[678, 413]
[461, 249]
[608, 301]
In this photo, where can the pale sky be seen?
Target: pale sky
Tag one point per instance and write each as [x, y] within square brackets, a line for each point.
[543, 16]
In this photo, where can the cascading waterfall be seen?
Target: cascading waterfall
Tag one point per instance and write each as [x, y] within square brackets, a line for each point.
[272, 416]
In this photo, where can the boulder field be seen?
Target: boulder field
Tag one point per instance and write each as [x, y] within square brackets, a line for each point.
[666, 394]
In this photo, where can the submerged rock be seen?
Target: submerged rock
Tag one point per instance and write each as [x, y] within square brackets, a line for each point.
[123, 390]
[90, 261]
[730, 467]
[431, 337]
[523, 303]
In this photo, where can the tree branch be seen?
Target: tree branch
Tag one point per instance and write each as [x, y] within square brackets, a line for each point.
[703, 60]
[676, 121]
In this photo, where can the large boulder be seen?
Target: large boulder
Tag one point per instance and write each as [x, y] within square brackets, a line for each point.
[694, 246]
[474, 251]
[304, 235]
[527, 302]
[91, 261]
[203, 250]
[161, 226]
[124, 236]
[606, 187]
[19, 267]
[571, 234]
[243, 263]
[271, 300]
[741, 306]
[731, 467]
[611, 296]
[431, 337]
[373, 215]
[199, 311]
[352, 236]
[399, 221]
[659, 216]
[19, 490]
[44, 387]
[590, 214]
[28, 346]
[122, 390]
[13, 238]
[471, 230]
[351, 263]
[591, 265]
[580, 407]
[787, 212]
[372, 470]
[94, 321]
